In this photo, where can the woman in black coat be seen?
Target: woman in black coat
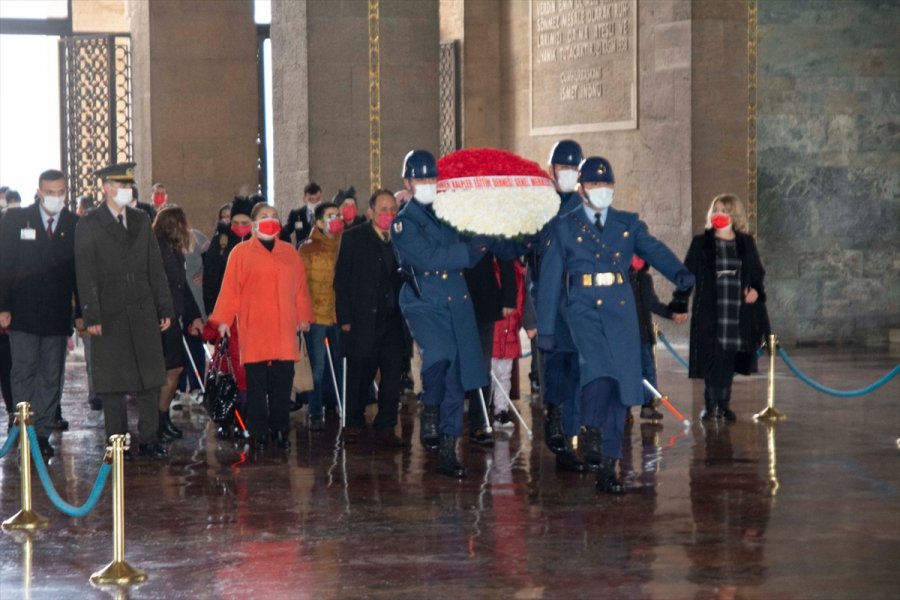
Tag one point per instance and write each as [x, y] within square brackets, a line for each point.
[728, 320]
[175, 239]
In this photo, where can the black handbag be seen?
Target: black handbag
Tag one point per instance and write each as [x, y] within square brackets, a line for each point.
[221, 387]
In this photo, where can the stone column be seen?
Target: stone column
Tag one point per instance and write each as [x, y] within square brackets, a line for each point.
[290, 102]
[196, 101]
[320, 53]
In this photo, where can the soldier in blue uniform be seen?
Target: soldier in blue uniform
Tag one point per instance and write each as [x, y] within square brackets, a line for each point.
[438, 309]
[588, 250]
[560, 364]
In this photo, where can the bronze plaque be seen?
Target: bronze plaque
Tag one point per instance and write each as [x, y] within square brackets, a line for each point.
[583, 66]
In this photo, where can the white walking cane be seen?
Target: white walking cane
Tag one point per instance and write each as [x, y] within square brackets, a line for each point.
[484, 412]
[344, 393]
[665, 401]
[190, 356]
[512, 406]
[334, 380]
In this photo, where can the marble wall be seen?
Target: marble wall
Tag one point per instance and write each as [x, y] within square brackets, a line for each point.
[829, 168]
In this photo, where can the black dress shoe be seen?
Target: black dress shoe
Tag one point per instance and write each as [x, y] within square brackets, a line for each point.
[480, 437]
[167, 429]
[592, 442]
[448, 464]
[281, 439]
[95, 403]
[45, 447]
[607, 480]
[387, 437]
[553, 431]
[429, 436]
[154, 450]
[350, 434]
[316, 423]
[60, 425]
[568, 461]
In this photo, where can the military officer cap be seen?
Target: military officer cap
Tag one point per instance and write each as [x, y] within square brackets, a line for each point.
[419, 164]
[121, 172]
[566, 152]
[595, 169]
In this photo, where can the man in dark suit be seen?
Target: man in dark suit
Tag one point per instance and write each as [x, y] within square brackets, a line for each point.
[301, 220]
[126, 302]
[366, 293]
[37, 283]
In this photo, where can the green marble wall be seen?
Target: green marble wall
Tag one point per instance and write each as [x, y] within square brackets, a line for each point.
[829, 167]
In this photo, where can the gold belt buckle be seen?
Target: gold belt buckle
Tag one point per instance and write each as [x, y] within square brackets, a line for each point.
[587, 280]
[605, 278]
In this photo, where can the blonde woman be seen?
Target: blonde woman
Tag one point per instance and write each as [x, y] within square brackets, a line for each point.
[728, 318]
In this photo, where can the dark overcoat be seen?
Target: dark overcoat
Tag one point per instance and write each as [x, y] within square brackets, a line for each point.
[367, 293]
[753, 319]
[602, 319]
[37, 275]
[122, 286]
[440, 317]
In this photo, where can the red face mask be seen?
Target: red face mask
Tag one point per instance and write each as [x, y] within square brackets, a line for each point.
[348, 212]
[720, 221]
[383, 220]
[637, 263]
[159, 199]
[241, 231]
[335, 226]
[268, 228]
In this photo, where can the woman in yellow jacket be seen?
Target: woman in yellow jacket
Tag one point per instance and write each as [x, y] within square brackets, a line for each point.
[319, 254]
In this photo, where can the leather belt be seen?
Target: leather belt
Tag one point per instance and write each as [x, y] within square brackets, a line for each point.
[441, 274]
[595, 279]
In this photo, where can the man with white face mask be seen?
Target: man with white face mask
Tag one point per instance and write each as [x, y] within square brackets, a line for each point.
[560, 365]
[37, 281]
[438, 309]
[588, 251]
[126, 302]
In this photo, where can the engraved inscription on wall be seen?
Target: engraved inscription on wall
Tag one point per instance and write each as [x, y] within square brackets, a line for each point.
[583, 65]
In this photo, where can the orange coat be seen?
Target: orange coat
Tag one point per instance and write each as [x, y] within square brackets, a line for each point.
[266, 292]
[319, 255]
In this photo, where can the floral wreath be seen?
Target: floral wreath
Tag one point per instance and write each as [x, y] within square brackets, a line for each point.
[487, 191]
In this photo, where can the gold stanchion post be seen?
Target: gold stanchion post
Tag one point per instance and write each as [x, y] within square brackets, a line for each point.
[771, 413]
[26, 518]
[118, 572]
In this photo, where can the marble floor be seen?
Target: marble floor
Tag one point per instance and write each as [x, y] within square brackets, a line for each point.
[806, 509]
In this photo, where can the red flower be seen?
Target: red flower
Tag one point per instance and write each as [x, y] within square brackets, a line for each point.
[473, 162]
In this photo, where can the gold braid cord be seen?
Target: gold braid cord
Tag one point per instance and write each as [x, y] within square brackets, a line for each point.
[751, 116]
[374, 96]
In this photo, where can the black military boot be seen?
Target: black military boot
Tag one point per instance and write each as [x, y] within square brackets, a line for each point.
[723, 399]
[167, 429]
[553, 431]
[568, 460]
[428, 427]
[592, 447]
[709, 402]
[449, 465]
[607, 480]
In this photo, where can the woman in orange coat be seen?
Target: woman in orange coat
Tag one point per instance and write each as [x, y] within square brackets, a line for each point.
[264, 288]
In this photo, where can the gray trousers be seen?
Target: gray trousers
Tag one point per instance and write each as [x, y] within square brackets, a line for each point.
[37, 364]
[115, 414]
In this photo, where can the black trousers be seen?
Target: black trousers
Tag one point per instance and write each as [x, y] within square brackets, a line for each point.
[361, 372]
[268, 397]
[115, 414]
[720, 371]
[476, 415]
[5, 368]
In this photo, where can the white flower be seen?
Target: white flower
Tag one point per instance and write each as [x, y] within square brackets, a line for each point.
[507, 211]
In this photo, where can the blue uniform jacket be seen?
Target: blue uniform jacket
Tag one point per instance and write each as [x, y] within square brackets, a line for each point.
[603, 319]
[440, 318]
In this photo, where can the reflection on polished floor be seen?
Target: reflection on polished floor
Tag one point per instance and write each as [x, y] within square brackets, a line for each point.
[808, 508]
